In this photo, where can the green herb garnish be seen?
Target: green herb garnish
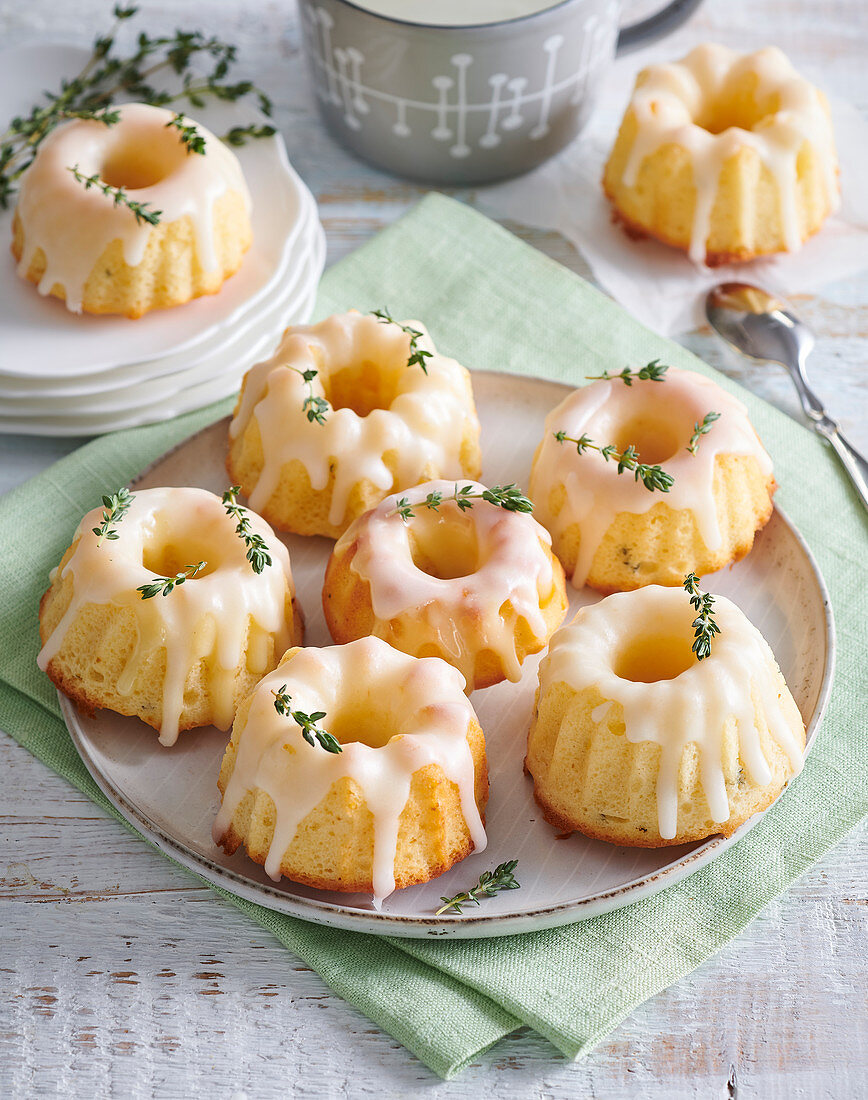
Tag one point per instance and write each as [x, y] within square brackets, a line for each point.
[116, 507]
[490, 883]
[652, 477]
[141, 210]
[509, 497]
[315, 408]
[257, 548]
[308, 722]
[655, 371]
[164, 585]
[188, 134]
[700, 429]
[704, 626]
[108, 75]
[417, 354]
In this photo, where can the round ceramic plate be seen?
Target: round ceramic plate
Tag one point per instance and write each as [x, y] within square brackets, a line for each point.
[69, 344]
[181, 391]
[170, 795]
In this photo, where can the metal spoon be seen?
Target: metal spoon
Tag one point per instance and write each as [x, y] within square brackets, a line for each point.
[763, 327]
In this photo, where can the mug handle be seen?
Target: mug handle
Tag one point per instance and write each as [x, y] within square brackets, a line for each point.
[655, 26]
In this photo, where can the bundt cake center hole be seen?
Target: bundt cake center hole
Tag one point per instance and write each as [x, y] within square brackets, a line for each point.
[653, 657]
[366, 725]
[655, 440]
[165, 559]
[736, 106]
[444, 548]
[134, 166]
[364, 386]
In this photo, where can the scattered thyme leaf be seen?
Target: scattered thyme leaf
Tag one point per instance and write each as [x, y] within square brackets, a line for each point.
[308, 722]
[652, 477]
[655, 371]
[257, 548]
[315, 408]
[704, 626]
[188, 134]
[508, 497]
[165, 585]
[116, 507]
[701, 428]
[417, 355]
[142, 211]
[489, 884]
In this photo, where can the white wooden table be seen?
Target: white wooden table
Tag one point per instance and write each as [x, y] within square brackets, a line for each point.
[120, 976]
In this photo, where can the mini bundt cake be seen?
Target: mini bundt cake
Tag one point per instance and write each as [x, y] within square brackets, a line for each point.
[613, 530]
[400, 801]
[121, 630]
[344, 413]
[440, 571]
[726, 155]
[636, 741]
[186, 234]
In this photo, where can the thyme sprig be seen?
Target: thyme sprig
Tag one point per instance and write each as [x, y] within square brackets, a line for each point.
[141, 210]
[704, 626]
[652, 477]
[655, 371]
[508, 497]
[257, 548]
[417, 355]
[165, 585]
[308, 722]
[109, 75]
[187, 132]
[701, 428]
[315, 408]
[116, 507]
[490, 883]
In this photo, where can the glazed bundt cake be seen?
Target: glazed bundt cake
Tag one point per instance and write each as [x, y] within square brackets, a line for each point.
[343, 414]
[637, 741]
[163, 615]
[185, 234]
[643, 483]
[726, 155]
[386, 791]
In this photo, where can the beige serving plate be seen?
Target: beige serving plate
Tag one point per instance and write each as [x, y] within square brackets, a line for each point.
[170, 795]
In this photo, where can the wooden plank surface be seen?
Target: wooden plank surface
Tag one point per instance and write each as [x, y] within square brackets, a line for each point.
[120, 976]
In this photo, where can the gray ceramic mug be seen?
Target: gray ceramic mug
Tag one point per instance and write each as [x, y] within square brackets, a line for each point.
[468, 104]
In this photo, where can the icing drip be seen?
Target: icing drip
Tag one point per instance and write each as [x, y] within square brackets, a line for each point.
[74, 226]
[421, 430]
[428, 717]
[695, 705]
[669, 103]
[464, 614]
[609, 411]
[220, 615]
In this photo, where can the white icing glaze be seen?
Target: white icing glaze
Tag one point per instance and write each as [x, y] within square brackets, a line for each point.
[428, 717]
[423, 426]
[216, 615]
[74, 226]
[462, 614]
[596, 493]
[672, 97]
[691, 708]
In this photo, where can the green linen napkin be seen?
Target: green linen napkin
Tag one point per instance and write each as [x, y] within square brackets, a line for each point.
[496, 304]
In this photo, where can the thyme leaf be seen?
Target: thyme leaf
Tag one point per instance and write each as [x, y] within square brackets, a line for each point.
[489, 884]
[116, 507]
[142, 211]
[417, 355]
[257, 548]
[165, 585]
[508, 497]
[704, 626]
[308, 722]
[652, 477]
[655, 371]
[701, 428]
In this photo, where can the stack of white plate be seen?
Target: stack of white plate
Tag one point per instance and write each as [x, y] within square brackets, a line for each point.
[68, 374]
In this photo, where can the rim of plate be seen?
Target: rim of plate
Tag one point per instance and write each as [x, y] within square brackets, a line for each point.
[465, 925]
[299, 290]
[282, 169]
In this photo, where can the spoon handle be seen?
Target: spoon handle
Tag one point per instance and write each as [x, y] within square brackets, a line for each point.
[853, 462]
